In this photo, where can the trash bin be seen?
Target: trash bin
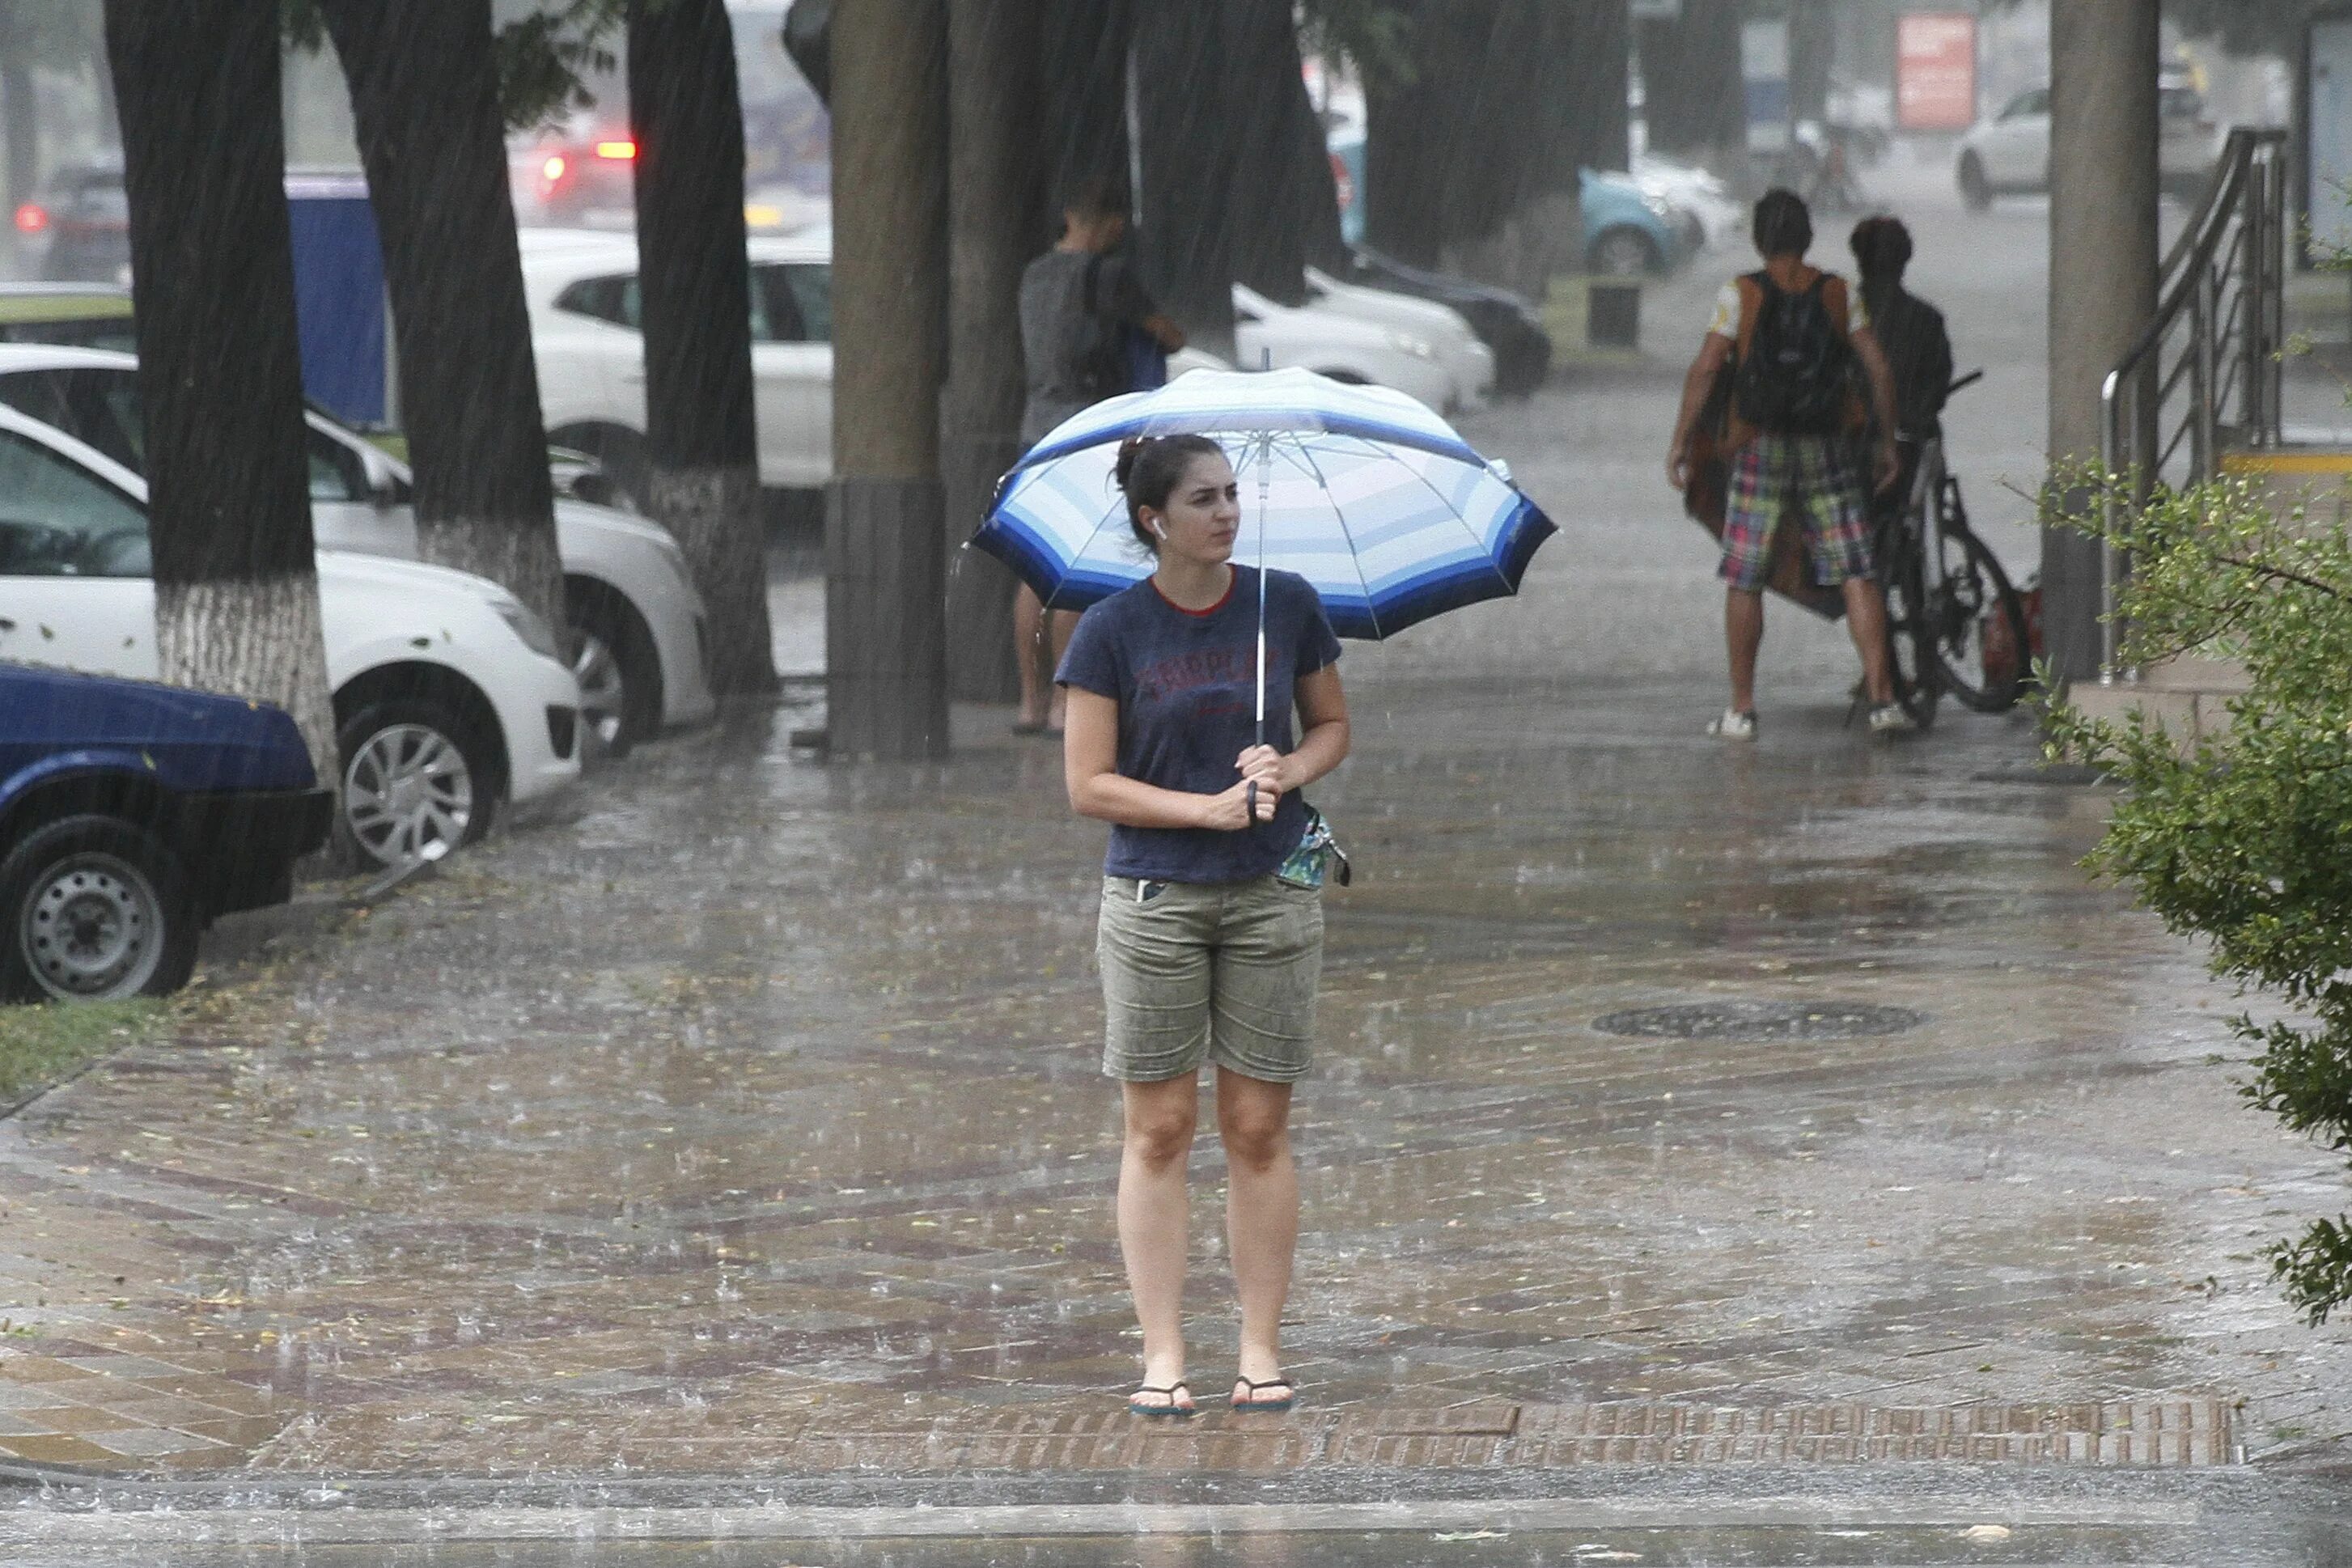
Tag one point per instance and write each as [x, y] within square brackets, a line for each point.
[1612, 313]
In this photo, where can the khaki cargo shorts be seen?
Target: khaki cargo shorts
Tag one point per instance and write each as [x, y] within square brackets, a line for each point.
[1222, 972]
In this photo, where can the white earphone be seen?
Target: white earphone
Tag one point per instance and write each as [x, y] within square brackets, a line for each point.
[1163, 532]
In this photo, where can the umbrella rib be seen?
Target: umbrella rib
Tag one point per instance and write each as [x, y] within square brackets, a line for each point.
[1079, 554]
[1456, 513]
[1339, 515]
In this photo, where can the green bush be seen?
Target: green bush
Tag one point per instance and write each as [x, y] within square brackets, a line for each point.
[2244, 834]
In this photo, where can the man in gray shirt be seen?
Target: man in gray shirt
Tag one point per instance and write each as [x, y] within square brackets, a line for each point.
[1078, 304]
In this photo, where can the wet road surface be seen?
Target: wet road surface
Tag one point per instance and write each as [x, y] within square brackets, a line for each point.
[738, 1121]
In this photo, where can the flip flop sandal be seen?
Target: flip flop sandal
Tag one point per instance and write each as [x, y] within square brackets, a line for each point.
[1171, 1408]
[1251, 1402]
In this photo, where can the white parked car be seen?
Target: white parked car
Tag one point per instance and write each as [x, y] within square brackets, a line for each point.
[450, 696]
[637, 628]
[1469, 362]
[1268, 336]
[2011, 152]
[585, 332]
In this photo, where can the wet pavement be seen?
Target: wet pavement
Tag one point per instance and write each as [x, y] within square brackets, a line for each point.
[735, 1124]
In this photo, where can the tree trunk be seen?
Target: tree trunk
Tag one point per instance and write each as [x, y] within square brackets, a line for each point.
[236, 590]
[996, 221]
[701, 434]
[425, 98]
[1188, 116]
[1813, 50]
[1598, 57]
[20, 124]
[1083, 63]
[1286, 209]
[885, 657]
[1696, 94]
[1410, 134]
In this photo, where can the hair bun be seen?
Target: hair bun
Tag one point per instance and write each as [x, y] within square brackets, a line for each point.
[1128, 451]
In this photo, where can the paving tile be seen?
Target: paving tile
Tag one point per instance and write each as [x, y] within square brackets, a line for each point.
[30, 1395]
[150, 1442]
[59, 1451]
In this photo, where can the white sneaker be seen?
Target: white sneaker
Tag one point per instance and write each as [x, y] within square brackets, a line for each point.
[1733, 725]
[1888, 719]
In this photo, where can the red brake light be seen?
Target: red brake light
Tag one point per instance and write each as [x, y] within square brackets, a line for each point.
[552, 170]
[618, 151]
[32, 218]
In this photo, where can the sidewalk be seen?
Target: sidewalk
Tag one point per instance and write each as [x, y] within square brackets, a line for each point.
[737, 1125]
[747, 1125]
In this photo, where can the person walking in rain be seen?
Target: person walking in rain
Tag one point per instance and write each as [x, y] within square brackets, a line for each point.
[1078, 304]
[1911, 334]
[1791, 334]
[1208, 953]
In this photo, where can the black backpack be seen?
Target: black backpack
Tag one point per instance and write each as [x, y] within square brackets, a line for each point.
[1794, 377]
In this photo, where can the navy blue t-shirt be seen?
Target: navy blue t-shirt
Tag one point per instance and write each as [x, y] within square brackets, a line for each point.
[1186, 685]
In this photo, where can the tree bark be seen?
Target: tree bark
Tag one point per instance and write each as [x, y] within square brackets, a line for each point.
[1813, 50]
[886, 660]
[702, 432]
[236, 591]
[996, 222]
[1460, 153]
[20, 124]
[2104, 181]
[1695, 92]
[1188, 115]
[1600, 58]
[425, 98]
[1284, 208]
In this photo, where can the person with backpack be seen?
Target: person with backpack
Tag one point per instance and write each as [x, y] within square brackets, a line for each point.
[1088, 330]
[1909, 329]
[1791, 337]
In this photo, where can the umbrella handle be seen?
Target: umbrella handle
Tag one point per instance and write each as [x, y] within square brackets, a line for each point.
[1250, 795]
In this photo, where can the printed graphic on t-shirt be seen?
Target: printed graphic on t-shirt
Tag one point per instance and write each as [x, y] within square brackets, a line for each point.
[1192, 674]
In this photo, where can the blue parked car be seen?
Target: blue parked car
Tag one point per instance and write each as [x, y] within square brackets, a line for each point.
[1628, 230]
[131, 815]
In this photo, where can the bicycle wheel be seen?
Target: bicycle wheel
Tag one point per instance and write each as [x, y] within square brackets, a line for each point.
[1979, 623]
[1910, 640]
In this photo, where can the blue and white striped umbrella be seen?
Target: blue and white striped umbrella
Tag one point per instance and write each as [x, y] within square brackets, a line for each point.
[1359, 489]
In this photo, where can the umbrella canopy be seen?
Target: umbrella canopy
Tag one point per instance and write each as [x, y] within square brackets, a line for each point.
[1359, 489]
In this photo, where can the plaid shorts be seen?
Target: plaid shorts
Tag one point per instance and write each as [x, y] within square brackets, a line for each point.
[1773, 472]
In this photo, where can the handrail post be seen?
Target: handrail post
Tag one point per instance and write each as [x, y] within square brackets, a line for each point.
[2111, 439]
[2202, 328]
[2274, 295]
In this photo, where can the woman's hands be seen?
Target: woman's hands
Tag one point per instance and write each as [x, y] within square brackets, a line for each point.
[1261, 767]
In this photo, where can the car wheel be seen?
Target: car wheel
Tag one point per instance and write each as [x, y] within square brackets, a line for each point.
[97, 909]
[1623, 253]
[417, 783]
[619, 673]
[1975, 190]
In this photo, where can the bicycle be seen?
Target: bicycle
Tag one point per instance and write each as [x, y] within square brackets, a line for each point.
[1954, 622]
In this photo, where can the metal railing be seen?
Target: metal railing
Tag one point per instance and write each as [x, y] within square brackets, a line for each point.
[2205, 376]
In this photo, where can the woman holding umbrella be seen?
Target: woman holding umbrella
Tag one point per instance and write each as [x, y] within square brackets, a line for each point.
[1370, 515]
[1207, 953]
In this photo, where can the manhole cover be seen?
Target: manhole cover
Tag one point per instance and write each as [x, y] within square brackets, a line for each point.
[1761, 1020]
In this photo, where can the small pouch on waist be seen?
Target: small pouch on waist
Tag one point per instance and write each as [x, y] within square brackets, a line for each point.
[1315, 858]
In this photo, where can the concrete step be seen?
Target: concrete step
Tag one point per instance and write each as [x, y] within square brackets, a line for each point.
[2190, 695]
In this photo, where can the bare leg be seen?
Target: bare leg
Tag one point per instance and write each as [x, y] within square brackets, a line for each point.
[1865, 617]
[1743, 632]
[1059, 625]
[1029, 653]
[1261, 1211]
[1152, 1215]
